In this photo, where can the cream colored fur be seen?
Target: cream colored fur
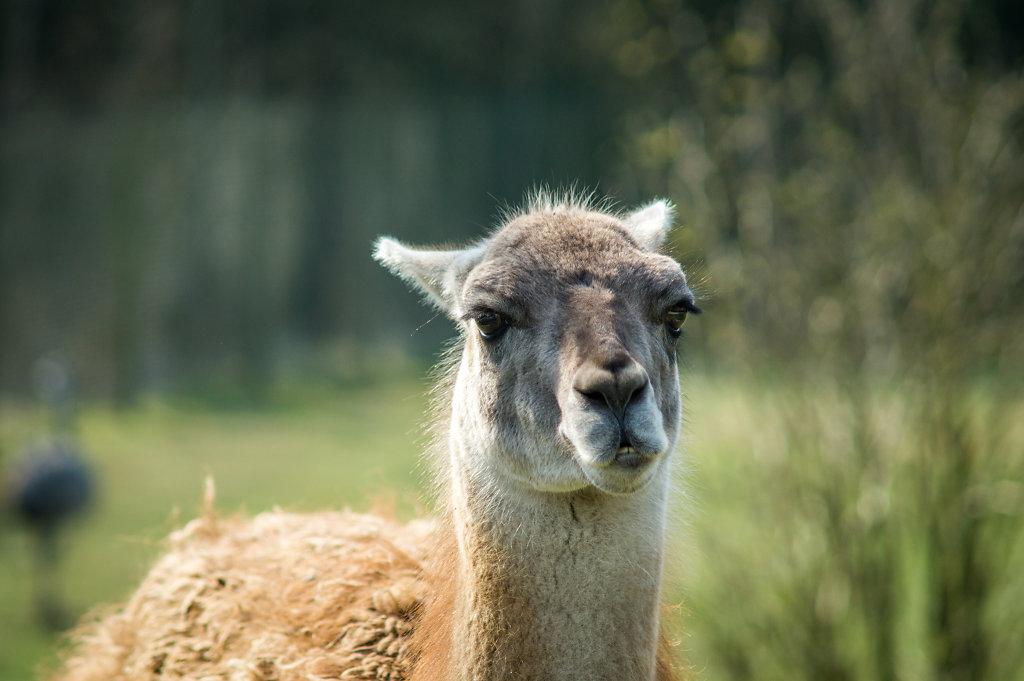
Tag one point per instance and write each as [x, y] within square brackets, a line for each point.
[562, 543]
[554, 453]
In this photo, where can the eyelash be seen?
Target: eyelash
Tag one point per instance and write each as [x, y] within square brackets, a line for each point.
[490, 324]
[676, 315]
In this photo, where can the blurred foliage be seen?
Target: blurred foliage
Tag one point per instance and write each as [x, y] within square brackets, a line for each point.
[846, 170]
[852, 174]
[858, 534]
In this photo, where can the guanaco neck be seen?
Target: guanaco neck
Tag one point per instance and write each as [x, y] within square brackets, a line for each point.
[550, 586]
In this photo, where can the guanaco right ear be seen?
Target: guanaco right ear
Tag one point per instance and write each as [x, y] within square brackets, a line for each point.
[438, 274]
[650, 224]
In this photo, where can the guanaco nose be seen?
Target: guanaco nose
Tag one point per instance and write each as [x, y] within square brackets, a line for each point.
[614, 380]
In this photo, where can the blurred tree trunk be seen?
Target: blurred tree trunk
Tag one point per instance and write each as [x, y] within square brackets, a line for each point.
[314, 298]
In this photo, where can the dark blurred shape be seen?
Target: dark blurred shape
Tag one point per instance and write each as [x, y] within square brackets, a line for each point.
[50, 485]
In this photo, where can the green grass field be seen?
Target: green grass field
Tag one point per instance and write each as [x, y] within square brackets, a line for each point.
[761, 560]
[303, 448]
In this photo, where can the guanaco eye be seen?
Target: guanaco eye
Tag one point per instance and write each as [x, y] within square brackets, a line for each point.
[490, 324]
[676, 315]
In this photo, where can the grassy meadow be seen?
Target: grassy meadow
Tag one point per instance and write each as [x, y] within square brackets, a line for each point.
[813, 544]
[301, 448]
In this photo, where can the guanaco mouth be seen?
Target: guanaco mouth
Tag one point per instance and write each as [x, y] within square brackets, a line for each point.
[628, 457]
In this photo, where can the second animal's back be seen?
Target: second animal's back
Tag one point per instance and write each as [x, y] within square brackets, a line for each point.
[282, 596]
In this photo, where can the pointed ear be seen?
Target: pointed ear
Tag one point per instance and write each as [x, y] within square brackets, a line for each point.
[650, 224]
[438, 274]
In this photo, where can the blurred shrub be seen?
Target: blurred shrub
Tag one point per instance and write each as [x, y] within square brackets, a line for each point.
[853, 181]
[866, 534]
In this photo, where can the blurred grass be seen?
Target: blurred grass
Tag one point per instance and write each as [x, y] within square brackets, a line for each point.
[805, 526]
[303, 447]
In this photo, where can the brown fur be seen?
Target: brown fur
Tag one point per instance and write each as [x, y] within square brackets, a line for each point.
[432, 638]
[284, 597]
[289, 597]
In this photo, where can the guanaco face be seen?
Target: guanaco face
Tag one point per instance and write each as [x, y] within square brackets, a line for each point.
[571, 320]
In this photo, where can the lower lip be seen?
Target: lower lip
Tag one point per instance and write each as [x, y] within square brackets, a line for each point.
[627, 457]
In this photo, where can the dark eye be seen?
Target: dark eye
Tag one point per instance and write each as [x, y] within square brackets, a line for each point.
[490, 324]
[676, 315]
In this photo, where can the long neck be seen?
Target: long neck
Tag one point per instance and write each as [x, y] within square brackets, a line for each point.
[552, 586]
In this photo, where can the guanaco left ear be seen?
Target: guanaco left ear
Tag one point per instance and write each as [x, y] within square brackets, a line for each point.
[438, 274]
[650, 224]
